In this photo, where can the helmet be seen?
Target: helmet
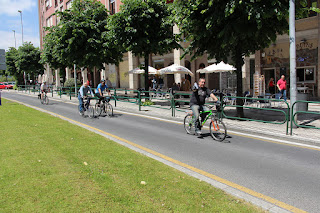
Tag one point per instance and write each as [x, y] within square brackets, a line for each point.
[102, 80]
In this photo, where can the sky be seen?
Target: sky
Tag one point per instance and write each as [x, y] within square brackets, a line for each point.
[10, 20]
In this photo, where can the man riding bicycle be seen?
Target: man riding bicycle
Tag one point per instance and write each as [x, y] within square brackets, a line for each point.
[44, 89]
[99, 91]
[197, 101]
[83, 92]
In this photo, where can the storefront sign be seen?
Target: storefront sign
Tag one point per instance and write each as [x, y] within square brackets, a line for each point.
[305, 45]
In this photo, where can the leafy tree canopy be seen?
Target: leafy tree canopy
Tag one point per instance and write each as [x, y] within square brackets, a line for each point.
[227, 27]
[80, 38]
[144, 27]
[11, 58]
[28, 59]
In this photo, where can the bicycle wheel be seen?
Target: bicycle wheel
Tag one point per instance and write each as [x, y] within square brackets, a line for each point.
[46, 100]
[218, 130]
[90, 111]
[97, 109]
[189, 124]
[108, 109]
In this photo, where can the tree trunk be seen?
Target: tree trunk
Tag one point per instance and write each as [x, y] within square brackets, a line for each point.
[146, 73]
[239, 63]
[118, 76]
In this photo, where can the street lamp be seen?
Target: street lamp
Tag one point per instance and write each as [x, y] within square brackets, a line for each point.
[15, 41]
[24, 73]
[21, 24]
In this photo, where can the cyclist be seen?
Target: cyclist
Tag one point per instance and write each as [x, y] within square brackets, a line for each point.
[83, 92]
[197, 101]
[44, 89]
[99, 91]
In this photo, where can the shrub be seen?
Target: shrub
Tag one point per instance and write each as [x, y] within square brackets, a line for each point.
[70, 83]
[147, 103]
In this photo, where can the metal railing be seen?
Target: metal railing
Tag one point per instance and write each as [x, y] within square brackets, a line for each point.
[293, 115]
[169, 101]
[257, 102]
[157, 99]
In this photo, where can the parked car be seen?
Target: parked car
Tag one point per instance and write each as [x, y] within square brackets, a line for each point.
[5, 85]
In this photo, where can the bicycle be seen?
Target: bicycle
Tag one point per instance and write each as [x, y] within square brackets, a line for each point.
[88, 109]
[218, 130]
[45, 99]
[104, 107]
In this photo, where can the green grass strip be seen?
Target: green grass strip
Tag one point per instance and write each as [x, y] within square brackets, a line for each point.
[50, 165]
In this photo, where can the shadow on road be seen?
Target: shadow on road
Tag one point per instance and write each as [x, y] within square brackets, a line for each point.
[206, 135]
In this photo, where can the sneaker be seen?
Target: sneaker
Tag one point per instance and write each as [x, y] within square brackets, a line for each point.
[198, 132]
[81, 113]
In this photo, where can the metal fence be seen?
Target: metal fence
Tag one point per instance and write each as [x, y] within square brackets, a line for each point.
[257, 104]
[179, 101]
[293, 115]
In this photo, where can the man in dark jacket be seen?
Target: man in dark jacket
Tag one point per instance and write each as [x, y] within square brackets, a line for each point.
[198, 99]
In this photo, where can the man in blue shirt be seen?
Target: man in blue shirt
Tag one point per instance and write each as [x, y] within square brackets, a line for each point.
[99, 91]
[83, 92]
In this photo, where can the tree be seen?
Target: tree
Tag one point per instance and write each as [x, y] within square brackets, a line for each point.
[144, 27]
[80, 38]
[28, 60]
[231, 29]
[11, 59]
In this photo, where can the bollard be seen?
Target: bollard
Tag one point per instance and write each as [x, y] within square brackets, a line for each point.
[115, 97]
[139, 96]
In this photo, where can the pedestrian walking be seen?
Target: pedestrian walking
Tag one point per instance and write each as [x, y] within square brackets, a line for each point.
[282, 86]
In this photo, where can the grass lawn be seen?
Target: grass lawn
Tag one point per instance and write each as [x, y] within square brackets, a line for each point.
[50, 165]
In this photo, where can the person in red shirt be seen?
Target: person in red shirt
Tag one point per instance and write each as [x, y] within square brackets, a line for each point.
[271, 86]
[282, 86]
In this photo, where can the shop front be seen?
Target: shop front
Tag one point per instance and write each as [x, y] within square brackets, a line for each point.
[275, 62]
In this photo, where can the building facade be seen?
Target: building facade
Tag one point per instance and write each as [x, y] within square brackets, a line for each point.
[271, 62]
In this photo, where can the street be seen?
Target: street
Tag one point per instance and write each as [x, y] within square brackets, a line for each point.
[286, 173]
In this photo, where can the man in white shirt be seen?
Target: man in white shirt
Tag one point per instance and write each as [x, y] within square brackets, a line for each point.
[83, 92]
[43, 88]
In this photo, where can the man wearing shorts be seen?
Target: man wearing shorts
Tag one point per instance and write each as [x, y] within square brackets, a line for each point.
[99, 91]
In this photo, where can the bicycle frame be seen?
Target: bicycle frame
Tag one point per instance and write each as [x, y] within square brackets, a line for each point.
[210, 113]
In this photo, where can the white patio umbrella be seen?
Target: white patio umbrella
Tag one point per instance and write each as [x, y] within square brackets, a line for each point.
[218, 68]
[175, 69]
[151, 70]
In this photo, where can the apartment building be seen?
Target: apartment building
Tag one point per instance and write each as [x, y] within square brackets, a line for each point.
[270, 62]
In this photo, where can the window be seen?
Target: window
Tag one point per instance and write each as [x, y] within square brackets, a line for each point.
[47, 4]
[55, 3]
[49, 21]
[61, 9]
[61, 1]
[57, 18]
[306, 74]
[112, 7]
[69, 4]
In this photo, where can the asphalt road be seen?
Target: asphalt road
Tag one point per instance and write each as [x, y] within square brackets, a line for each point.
[287, 173]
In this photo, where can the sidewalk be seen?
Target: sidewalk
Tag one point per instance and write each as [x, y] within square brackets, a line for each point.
[276, 131]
